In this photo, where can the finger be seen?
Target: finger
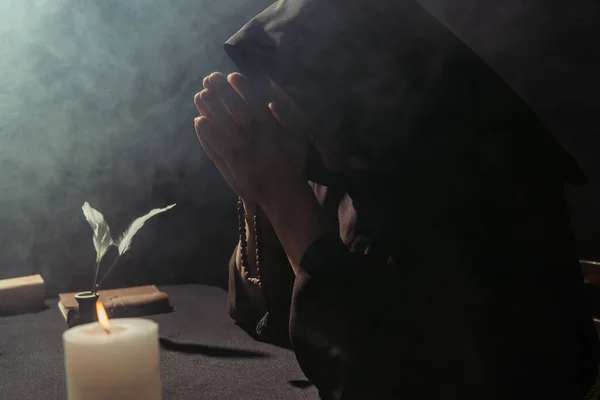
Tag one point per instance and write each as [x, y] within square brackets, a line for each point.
[222, 120]
[256, 102]
[202, 109]
[206, 82]
[206, 132]
[221, 166]
[236, 105]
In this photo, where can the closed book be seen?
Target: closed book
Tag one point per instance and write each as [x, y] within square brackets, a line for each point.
[120, 303]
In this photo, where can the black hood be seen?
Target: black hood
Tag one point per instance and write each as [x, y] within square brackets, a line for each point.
[389, 79]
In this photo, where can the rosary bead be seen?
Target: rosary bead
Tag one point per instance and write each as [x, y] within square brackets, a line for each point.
[261, 328]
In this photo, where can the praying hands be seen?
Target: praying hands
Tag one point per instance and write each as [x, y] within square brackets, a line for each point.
[248, 135]
[257, 140]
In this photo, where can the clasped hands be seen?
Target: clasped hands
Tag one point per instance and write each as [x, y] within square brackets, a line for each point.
[256, 138]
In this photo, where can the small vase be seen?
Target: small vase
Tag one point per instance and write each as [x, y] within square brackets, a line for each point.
[87, 308]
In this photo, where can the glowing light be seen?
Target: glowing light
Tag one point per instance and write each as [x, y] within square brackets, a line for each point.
[102, 316]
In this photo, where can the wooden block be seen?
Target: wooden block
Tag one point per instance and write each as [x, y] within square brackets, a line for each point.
[21, 295]
[591, 272]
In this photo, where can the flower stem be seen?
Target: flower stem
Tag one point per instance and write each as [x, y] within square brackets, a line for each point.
[108, 272]
[95, 277]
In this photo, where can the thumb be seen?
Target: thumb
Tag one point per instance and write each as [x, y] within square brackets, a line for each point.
[289, 114]
[292, 119]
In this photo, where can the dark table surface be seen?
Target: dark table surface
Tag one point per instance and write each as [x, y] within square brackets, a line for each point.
[226, 363]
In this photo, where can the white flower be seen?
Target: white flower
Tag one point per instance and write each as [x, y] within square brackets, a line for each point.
[102, 238]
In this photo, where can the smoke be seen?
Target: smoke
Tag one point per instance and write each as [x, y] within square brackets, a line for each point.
[95, 103]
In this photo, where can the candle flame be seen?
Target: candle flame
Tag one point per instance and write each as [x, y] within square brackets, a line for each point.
[102, 316]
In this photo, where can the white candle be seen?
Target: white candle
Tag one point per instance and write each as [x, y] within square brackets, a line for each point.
[118, 364]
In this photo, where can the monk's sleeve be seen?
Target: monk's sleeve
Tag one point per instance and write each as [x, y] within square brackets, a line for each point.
[342, 303]
[360, 283]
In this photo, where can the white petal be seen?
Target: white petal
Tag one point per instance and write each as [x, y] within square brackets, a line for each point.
[102, 238]
[124, 242]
